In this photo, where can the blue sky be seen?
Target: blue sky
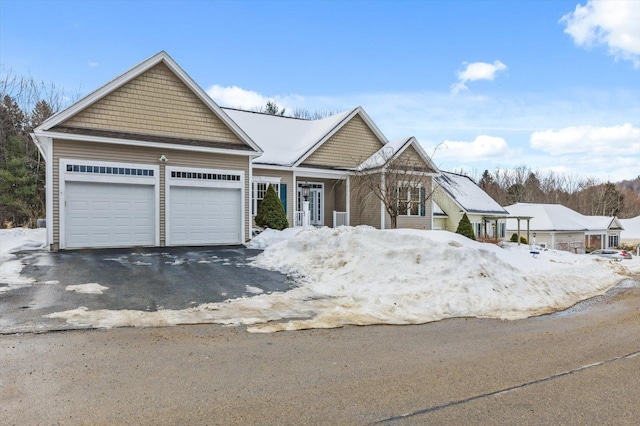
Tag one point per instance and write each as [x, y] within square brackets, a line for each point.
[554, 85]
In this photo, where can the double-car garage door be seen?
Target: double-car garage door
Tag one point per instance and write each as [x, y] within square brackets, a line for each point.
[107, 205]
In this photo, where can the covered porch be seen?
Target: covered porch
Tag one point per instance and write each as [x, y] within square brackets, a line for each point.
[328, 193]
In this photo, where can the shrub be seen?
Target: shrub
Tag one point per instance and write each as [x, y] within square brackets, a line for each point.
[271, 213]
[523, 240]
[514, 238]
[465, 228]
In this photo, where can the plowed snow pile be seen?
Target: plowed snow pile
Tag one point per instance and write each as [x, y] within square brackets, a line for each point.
[364, 276]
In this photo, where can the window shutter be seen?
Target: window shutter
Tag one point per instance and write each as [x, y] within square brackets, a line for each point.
[283, 196]
[423, 201]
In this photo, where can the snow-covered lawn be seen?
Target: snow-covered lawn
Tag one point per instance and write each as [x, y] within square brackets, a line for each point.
[365, 276]
[12, 240]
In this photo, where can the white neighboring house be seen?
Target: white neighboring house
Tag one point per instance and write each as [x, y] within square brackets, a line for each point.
[558, 227]
[630, 235]
[456, 195]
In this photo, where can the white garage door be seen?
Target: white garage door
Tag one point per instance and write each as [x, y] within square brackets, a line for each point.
[201, 216]
[109, 215]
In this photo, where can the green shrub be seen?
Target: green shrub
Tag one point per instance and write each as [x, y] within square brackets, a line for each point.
[514, 238]
[523, 240]
[270, 212]
[465, 228]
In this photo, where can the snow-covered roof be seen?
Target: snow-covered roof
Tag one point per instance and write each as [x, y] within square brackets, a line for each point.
[469, 196]
[284, 140]
[556, 217]
[631, 228]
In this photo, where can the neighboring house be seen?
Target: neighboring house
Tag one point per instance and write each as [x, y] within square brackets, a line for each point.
[456, 195]
[149, 159]
[558, 227]
[146, 160]
[630, 235]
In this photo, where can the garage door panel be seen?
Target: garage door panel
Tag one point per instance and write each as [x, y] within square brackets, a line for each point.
[204, 215]
[109, 214]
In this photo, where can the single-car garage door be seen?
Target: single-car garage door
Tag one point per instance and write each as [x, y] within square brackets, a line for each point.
[109, 215]
[204, 215]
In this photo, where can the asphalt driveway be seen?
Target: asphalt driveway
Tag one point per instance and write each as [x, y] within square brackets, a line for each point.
[145, 279]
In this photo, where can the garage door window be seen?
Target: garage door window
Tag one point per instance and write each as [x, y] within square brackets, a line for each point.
[125, 171]
[205, 176]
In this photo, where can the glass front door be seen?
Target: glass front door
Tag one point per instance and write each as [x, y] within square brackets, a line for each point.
[316, 195]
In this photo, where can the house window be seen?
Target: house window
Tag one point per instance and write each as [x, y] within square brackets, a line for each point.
[477, 226]
[259, 191]
[411, 200]
[613, 241]
[502, 230]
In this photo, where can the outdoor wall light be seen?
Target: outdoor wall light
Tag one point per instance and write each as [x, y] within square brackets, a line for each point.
[163, 158]
[306, 189]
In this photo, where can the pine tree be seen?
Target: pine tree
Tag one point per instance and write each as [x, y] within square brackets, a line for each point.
[270, 212]
[465, 228]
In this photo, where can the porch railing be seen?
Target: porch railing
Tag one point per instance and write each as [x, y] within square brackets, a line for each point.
[298, 218]
[340, 219]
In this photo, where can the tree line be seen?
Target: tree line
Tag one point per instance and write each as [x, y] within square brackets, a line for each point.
[25, 103]
[586, 195]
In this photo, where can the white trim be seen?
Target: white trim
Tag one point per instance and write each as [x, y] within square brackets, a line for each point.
[136, 71]
[132, 142]
[45, 145]
[322, 174]
[249, 189]
[203, 183]
[266, 179]
[383, 212]
[348, 200]
[365, 117]
[64, 176]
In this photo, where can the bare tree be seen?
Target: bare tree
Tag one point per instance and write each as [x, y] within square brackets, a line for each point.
[402, 183]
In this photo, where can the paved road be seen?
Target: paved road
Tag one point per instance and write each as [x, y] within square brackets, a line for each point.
[581, 367]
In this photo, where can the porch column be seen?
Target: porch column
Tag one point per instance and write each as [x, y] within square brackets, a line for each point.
[528, 238]
[518, 231]
[383, 185]
[348, 200]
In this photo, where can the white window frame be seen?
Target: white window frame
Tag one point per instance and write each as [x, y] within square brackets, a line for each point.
[409, 187]
[254, 190]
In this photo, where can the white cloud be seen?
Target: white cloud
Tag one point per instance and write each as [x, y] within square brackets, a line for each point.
[599, 141]
[483, 147]
[92, 64]
[237, 97]
[615, 24]
[477, 71]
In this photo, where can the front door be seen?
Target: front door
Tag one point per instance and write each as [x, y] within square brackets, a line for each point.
[316, 203]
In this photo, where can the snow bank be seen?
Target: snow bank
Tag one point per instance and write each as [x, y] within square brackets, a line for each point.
[13, 240]
[364, 276]
[269, 237]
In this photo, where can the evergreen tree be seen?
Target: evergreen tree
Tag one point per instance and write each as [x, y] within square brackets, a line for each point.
[270, 212]
[465, 228]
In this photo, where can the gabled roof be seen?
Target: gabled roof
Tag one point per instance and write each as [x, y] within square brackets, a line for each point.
[394, 149]
[556, 217]
[437, 211]
[134, 72]
[467, 195]
[631, 228]
[288, 141]
[284, 139]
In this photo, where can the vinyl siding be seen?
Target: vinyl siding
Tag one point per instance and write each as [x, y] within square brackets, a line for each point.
[353, 143]
[156, 103]
[132, 154]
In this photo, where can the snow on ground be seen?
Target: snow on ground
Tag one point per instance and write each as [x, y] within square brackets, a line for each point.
[90, 288]
[13, 240]
[269, 237]
[364, 276]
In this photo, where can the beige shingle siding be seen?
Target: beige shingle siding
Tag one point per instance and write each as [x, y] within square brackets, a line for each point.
[286, 177]
[365, 207]
[157, 103]
[349, 146]
[133, 154]
[411, 157]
